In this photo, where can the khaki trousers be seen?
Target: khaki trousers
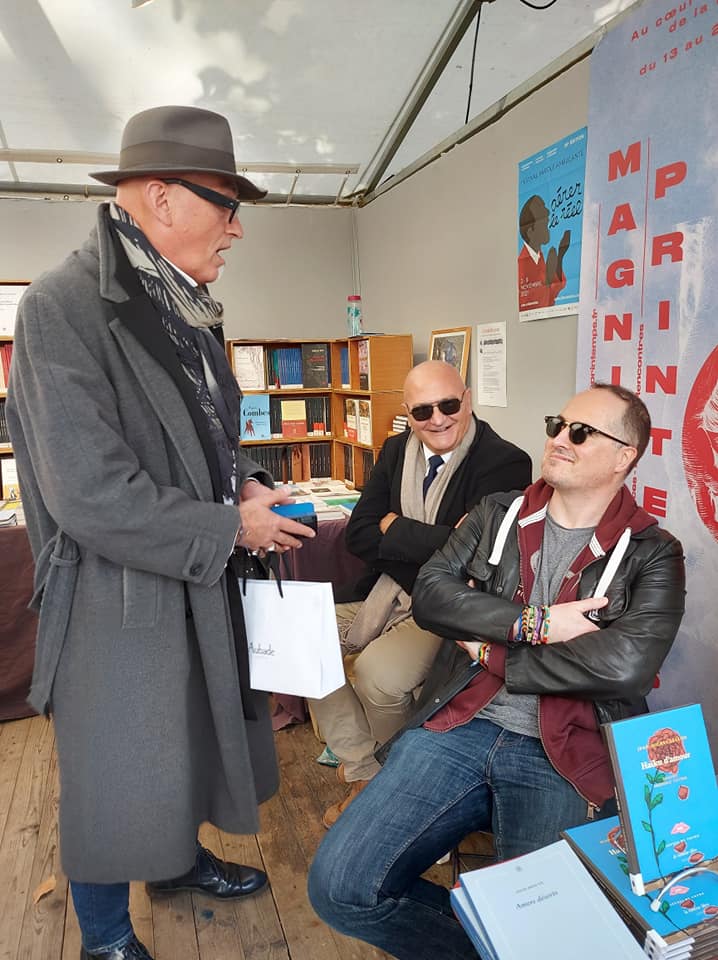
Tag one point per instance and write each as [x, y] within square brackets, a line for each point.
[354, 720]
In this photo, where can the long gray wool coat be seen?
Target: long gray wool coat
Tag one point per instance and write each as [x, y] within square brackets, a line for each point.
[151, 733]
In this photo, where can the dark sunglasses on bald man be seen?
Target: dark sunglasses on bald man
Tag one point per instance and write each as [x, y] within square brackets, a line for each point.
[577, 431]
[219, 199]
[450, 406]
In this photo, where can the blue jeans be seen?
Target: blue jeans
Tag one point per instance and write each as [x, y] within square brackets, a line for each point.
[434, 789]
[103, 912]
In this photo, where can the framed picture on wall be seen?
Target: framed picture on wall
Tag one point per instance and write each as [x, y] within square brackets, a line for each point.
[10, 293]
[452, 346]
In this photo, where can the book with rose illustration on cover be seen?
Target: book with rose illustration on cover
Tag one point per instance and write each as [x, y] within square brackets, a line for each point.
[666, 791]
[681, 925]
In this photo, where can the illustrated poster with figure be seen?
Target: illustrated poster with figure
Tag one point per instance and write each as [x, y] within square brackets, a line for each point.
[549, 228]
[648, 315]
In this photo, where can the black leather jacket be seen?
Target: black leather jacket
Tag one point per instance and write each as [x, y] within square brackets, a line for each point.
[613, 669]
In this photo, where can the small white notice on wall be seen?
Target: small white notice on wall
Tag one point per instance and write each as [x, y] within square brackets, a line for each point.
[491, 364]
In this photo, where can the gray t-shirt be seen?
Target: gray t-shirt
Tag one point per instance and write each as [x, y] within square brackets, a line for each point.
[518, 712]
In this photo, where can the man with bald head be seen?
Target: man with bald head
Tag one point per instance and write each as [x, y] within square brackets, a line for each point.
[424, 481]
[139, 502]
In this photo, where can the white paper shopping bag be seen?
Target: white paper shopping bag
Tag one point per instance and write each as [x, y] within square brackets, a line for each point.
[293, 639]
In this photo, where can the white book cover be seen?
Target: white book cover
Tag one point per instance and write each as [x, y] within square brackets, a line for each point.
[546, 904]
[249, 366]
[364, 426]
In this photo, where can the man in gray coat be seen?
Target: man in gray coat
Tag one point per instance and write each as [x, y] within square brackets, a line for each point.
[123, 414]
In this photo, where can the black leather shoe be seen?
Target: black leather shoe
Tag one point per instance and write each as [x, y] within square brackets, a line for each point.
[215, 878]
[134, 950]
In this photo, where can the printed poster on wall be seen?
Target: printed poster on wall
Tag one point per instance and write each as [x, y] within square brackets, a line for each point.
[491, 364]
[649, 293]
[549, 228]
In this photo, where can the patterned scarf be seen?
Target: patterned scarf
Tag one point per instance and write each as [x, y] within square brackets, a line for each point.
[187, 312]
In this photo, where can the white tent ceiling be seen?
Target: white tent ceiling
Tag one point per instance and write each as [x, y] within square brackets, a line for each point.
[317, 91]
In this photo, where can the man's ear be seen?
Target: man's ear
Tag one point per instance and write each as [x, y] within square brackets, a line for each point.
[626, 455]
[157, 201]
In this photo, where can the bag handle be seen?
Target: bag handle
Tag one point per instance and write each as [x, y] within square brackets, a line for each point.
[252, 566]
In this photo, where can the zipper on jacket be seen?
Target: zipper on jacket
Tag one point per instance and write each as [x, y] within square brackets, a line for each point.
[591, 807]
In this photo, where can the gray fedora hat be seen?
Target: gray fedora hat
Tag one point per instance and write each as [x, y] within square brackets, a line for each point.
[178, 140]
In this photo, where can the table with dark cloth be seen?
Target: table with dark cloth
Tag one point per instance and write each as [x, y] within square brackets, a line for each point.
[325, 558]
[18, 626]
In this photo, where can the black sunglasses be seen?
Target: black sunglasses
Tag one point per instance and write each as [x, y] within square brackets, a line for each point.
[424, 411]
[213, 196]
[577, 431]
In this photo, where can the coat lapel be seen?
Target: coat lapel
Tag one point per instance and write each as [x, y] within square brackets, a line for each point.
[137, 316]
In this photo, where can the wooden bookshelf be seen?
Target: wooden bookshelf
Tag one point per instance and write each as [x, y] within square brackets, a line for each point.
[368, 371]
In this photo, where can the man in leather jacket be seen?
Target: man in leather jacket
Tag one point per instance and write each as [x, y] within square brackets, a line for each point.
[563, 603]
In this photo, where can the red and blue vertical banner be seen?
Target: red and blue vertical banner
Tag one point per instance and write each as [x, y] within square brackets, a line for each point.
[549, 228]
[648, 316]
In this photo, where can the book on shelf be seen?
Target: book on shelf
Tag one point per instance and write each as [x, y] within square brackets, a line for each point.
[294, 418]
[315, 365]
[344, 367]
[666, 792]
[364, 422]
[284, 367]
[275, 417]
[544, 903]
[254, 417]
[290, 366]
[351, 418]
[320, 459]
[679, 925]
[299, 461]
[249, 369]
[4, 431]
[8, 477]
[5, 358]
[367, 465]
[348, 460]
[317, 416]
[286, 462]
[363, 358]
[400, 423]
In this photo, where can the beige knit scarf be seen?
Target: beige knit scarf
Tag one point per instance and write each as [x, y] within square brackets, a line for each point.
[387, 603]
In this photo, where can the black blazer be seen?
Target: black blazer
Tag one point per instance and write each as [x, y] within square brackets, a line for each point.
[492, 465]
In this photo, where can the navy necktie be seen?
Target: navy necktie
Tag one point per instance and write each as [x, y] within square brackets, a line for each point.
[435, 462]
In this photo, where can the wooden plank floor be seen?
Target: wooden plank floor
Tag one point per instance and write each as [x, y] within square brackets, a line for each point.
[277, 924]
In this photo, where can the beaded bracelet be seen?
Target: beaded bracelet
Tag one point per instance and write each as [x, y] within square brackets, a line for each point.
[533, 624]
[546, 623]
[483, 656]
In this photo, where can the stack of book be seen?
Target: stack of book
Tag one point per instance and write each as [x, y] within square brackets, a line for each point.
[657, 861]
[8, 518]
[331, 499]
[400, 423]
[543, 904]
[678, 929]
